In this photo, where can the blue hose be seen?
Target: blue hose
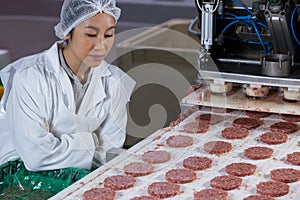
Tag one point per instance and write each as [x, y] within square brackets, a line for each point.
[292, 25]
[260, 39]
[230, 24]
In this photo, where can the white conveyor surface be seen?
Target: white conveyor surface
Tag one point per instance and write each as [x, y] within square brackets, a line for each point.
[157, 141]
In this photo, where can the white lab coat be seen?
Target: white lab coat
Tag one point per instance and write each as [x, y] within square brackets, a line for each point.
[38, 119]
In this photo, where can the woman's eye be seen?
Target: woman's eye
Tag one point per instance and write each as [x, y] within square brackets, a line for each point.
[108, 35]
[91, 35]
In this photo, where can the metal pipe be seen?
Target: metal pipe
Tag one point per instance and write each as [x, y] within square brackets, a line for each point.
[191, 27]
[244, 61]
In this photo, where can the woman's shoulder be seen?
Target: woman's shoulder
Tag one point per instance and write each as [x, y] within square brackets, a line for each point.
[31, 62]
[116, 71]
[121, 80]
[24, 62]
[119, 74]
[28, 69]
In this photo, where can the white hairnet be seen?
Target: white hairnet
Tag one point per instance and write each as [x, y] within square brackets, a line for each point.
[74, 12]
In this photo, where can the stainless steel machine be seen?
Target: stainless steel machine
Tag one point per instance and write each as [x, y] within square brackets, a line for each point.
[250, 42]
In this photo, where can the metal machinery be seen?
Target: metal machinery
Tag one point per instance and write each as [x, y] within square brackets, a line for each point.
[250, 42]
[249, 60]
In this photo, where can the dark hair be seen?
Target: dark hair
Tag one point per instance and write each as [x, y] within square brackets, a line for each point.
[71, 33]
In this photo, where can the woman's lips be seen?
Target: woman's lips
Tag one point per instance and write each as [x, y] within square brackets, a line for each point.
[97, 57]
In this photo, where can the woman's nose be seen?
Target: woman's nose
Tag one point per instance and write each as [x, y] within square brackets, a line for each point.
[99, 44]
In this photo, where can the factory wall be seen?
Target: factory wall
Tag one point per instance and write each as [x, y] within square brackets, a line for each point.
[27, 26]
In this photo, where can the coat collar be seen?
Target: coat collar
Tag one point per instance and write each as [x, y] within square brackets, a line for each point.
[96, 89]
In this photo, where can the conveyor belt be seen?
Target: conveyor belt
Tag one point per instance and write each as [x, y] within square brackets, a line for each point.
[157, 141]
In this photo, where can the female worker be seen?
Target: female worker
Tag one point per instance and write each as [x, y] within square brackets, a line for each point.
[66, 106]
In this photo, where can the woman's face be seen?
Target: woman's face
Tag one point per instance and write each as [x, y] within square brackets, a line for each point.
[90, 41]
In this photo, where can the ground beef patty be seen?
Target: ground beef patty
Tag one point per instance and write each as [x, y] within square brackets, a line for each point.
[144, 198]
[240, 169]
[256, 114]
[221, 110]
[181, 175]
[156, 157]
[197, 163]
[99, 194]
[273, 137]
[293, 158]
[258, 197]
[286, 127]
[119, 182]
[258, 153]
[210, 118]
[217, 147]
[138, 169]
[196, 127]
[290, 118]
[248, 123]
[163, 189]
[272, 188]
[178, 141]
[211, 194]
[226, 182]
[232, 133]
[287, 175]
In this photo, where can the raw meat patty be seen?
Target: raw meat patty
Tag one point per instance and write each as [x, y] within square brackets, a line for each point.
[293, 158]
[156, 157]
[138, 169]
[232, 133]
[119, 182]
[240, 169]
[197, 163]
[211, 194]
[273, 137]
[256, 114]
[286, 175]
[163, 189]
[290, 118]
[181, 175]
[217, 147]
[286, 127]
[220, 110]
[176, 121]
[144, 198]
[226, 182]
[258, 197]
[196, 127]
[178, 141]
[210, 118]
[272, 188]
[258, 153]
[248, 123]
[99, 194]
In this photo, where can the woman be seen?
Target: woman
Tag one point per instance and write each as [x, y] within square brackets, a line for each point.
[66, 106]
